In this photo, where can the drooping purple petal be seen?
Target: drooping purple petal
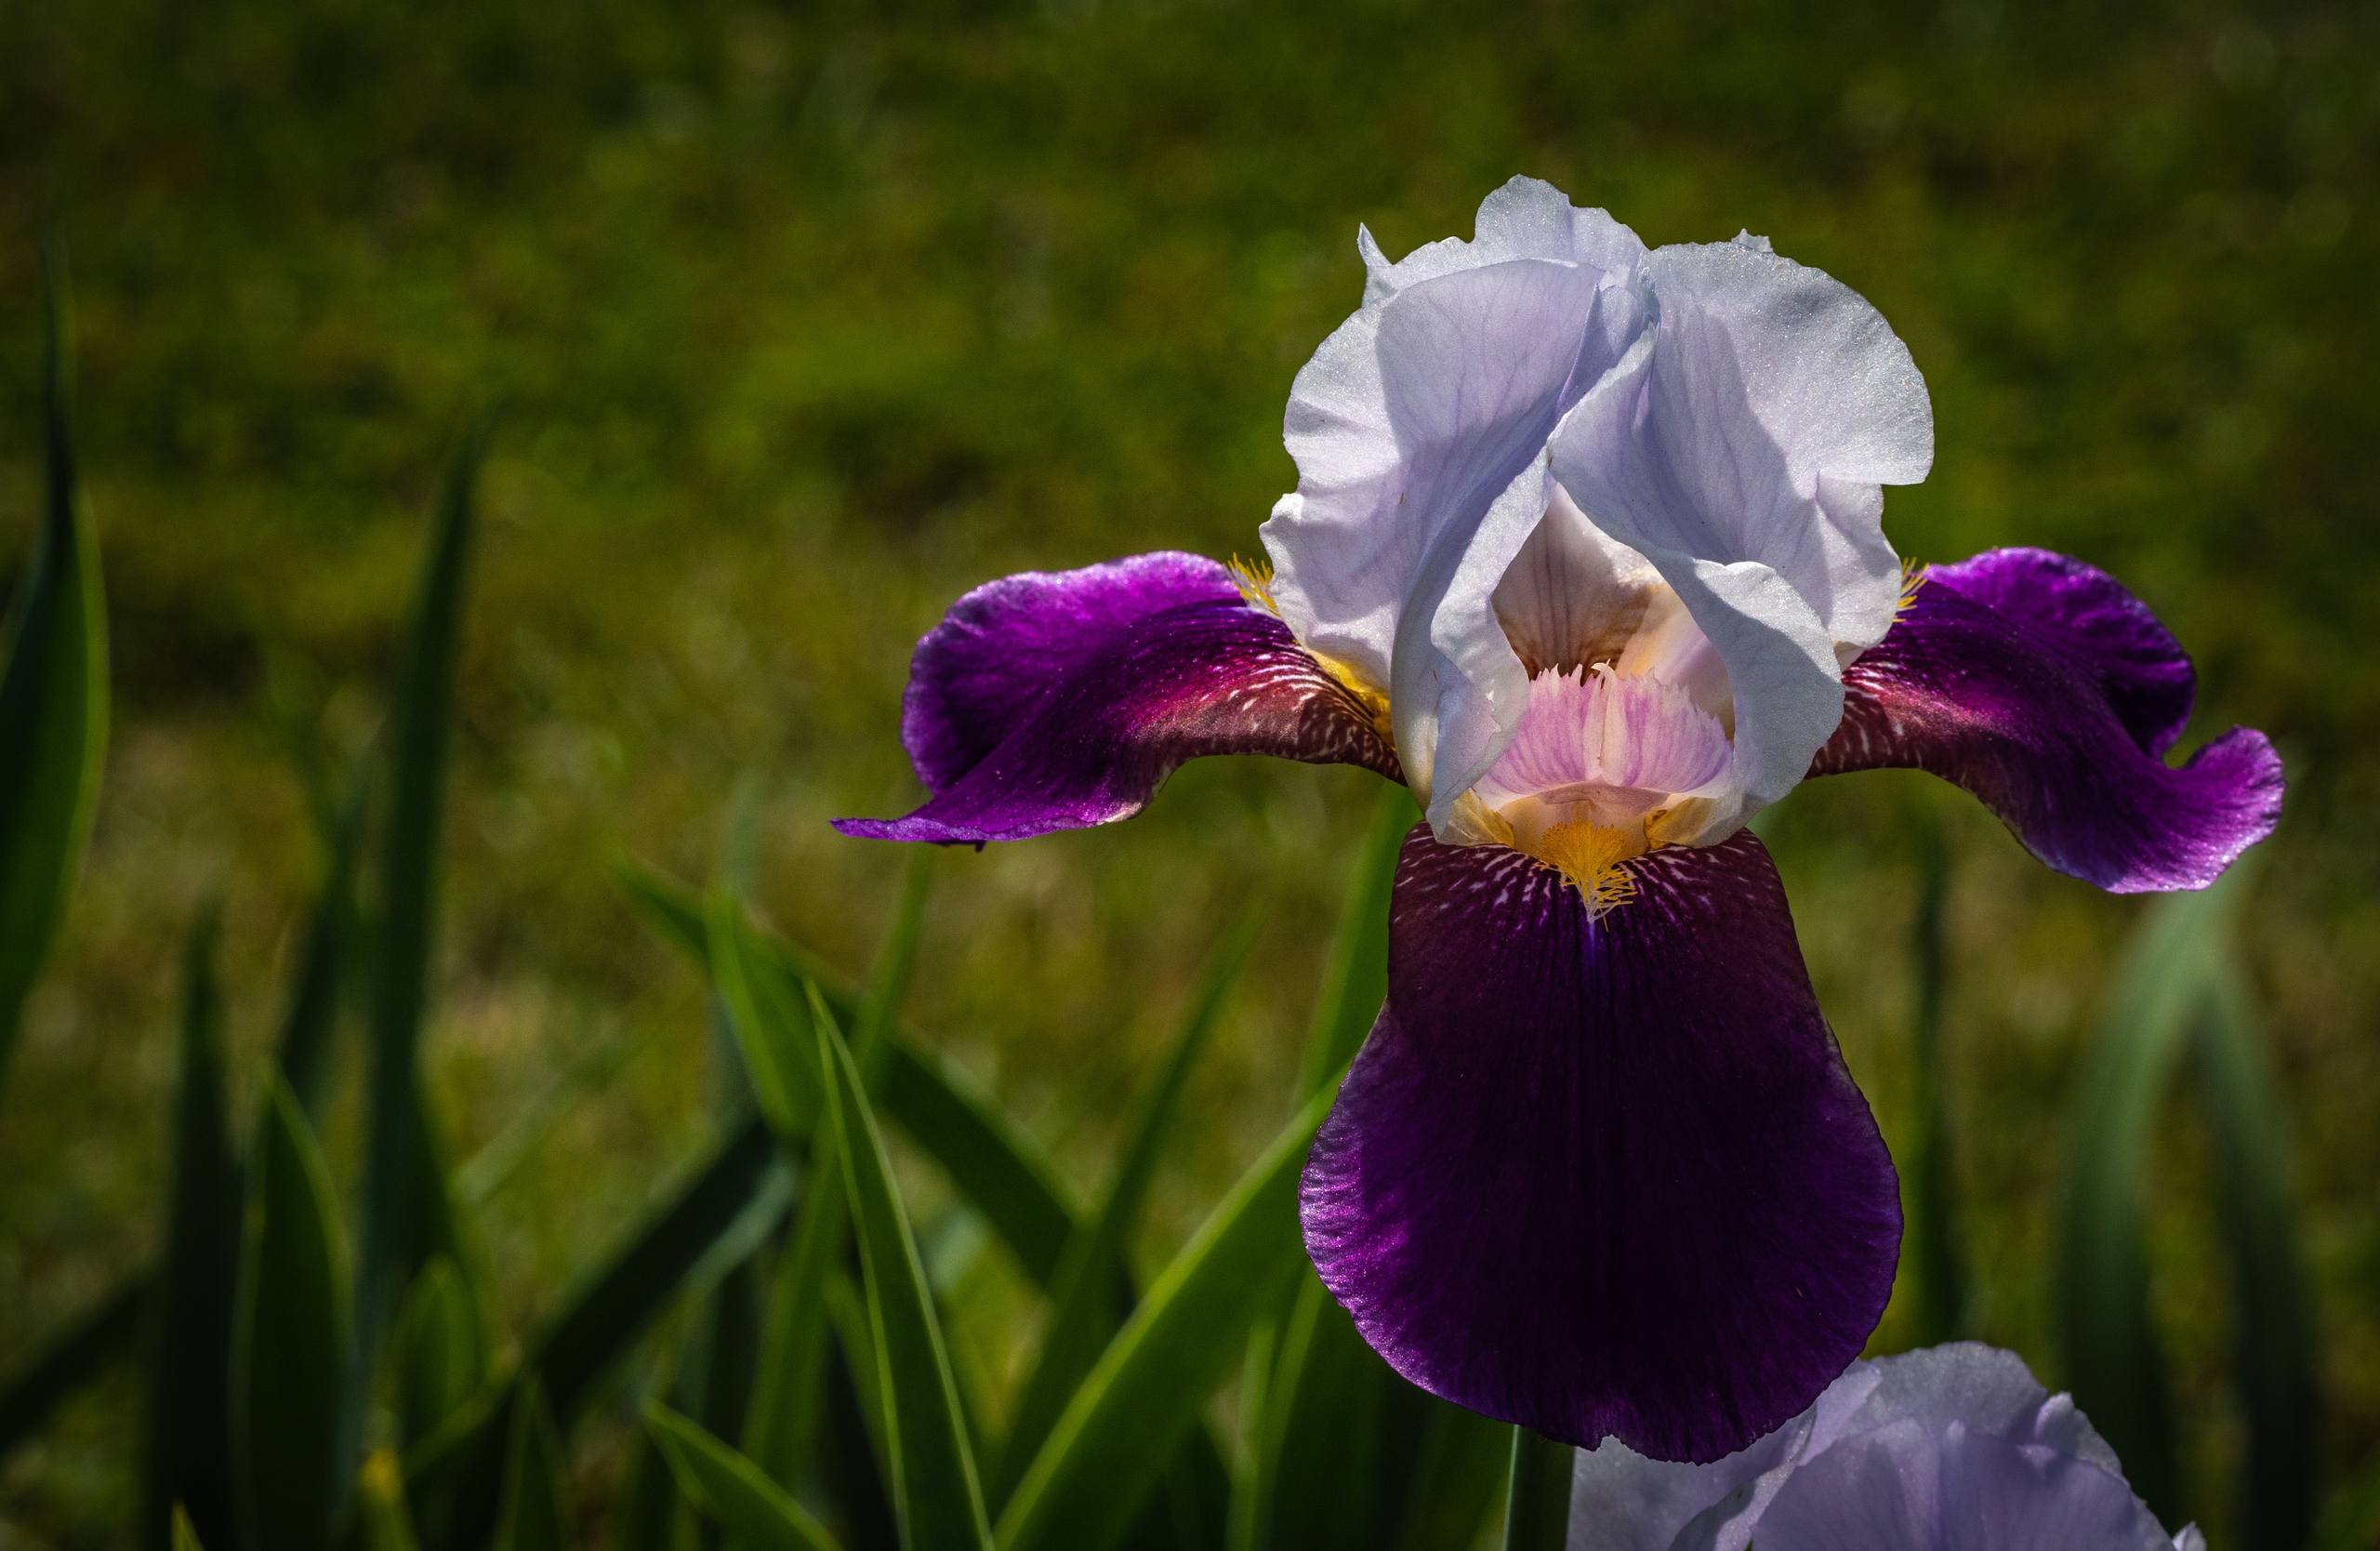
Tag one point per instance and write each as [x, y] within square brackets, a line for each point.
[2042, 686]
[977, 674]
[1608, 1178]
[1058, 701]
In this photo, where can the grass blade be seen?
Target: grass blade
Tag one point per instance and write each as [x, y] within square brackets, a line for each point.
[1329, 1409]
[1321, 1478]
[536, 1492]
[1936, 1264]
[719, 1218]
[940, 1501]
[2273, 1314]
[334, 931]
[1122, 1426]
[781, 1039]
[73, 1358]
[1458, 1466]
[1001, 1174]
[406, 1217]
[1354, 980]
[653, 1513]
[732, 1490]
[189, 1416]
[715, 1365]
[1537, 1497]
[53, 698]
[786, 1408]
[380, 1495]
[849, 1451]
[290, 1343]
[716, 1220]
[2114, 1364]
[440, 1351]
[1082, 1300]
[766, 1017]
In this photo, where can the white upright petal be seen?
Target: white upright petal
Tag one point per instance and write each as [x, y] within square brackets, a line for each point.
[1419, 431]
[1988, 1389]
[1776, 402]
[1737, 448]
[1952, 1449]
[1526, 219]
[1621, 1501]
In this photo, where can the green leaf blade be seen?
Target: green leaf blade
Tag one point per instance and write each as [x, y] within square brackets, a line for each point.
[1120, 1431]
[1082, 1315]
[788, 1403]
[765, 1014]
[936, 1489]
[53, 700]
[723, 1214]
[334, 932]
[2273, 1360]
[73, 1357]
[1001, 1174]
[1333, 1432]
[408, 1215]
[1355, 979]
[189, 1461]
[291, 1346]
[1937, 1262]
[1537, 1496]
[440, 1351]
[731, 1489]
[2114, 1364]
[536, 1488]
[717, 1218]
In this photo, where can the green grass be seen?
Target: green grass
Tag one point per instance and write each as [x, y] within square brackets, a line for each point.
[796, 327]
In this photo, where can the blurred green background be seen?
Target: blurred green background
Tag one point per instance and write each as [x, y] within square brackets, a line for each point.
[799, 322]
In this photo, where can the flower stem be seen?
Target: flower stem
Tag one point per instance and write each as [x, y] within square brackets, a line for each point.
[1536, 1503]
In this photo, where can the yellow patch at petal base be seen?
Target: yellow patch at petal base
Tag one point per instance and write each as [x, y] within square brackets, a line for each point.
[1254, 579]
[1912, 576]
[1374, 700]
[1593, 859]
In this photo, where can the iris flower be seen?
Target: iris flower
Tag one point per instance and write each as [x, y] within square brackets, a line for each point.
[1587, 549]
[1951, 1449]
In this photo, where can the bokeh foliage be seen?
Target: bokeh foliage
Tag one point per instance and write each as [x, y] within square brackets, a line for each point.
[799, 322]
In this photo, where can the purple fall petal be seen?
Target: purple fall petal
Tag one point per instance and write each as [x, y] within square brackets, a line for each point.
[977, 674]
[2042, 686]
[1607, 1178]
[1061, 700]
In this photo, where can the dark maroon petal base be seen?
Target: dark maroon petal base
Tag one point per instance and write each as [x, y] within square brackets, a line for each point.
[1605, 1178]
[2049, 692]
[1059, 701]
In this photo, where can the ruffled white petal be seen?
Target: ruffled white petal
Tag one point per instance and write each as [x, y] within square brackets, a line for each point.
[1985, 1388]
[1526, 219]
[1952, 1449]
[1703, 451]
[1775, 402]
[1420, 431]
[1721, 417]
